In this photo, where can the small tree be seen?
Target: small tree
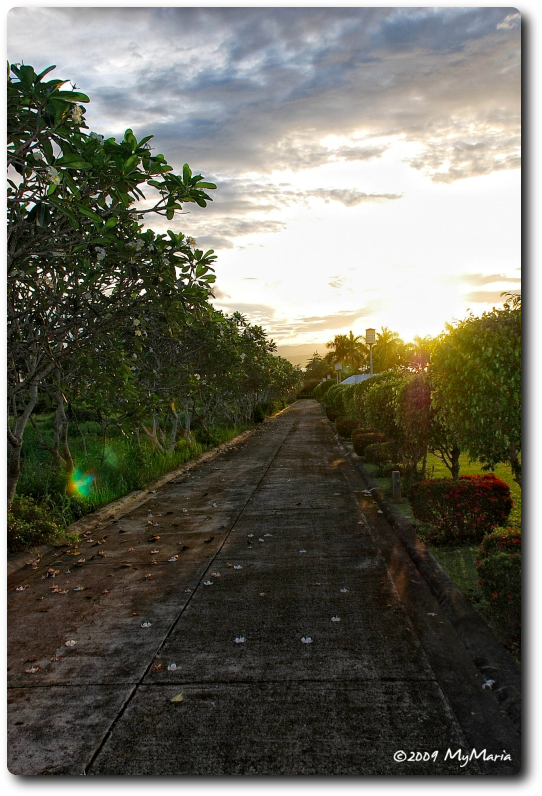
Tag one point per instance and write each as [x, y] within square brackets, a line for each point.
[476, 371]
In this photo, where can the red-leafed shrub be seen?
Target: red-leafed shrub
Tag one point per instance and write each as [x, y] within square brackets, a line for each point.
[345, 426]
[499, 569]
[361, 441]
[503, 540]
[460, 511]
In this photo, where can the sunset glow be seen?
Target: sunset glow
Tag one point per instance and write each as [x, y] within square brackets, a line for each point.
[367, 159]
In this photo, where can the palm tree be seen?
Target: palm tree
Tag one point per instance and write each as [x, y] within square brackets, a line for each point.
[389, 350]
[349, 349]
[419, 353]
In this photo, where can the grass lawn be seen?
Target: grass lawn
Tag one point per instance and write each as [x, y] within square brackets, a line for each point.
[458, 562]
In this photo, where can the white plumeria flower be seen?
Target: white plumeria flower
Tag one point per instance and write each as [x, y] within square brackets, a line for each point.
[191, 241]
[52, 175]
[100, 253]
[70, 643]
[335, 618]
[172, 667]
[268, 534]
[197, 376]
[136, 323]
[146, 624]
[344, 591]
[306, 640]
[261, 540]
[207, 582]
[240, 640]
[137, 333]
[303, 551]
[237, 566]
[32, 670]
[173, 558]
[488, 684]
[77, 114]
[251, 536]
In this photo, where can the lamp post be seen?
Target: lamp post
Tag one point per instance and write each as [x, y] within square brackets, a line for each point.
[338, 368]
[370, 338]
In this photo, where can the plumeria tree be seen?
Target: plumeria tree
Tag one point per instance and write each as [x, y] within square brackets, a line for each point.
[79, 260]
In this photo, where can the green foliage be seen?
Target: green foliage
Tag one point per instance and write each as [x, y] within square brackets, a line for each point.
[258, 415]
[476, 370]
[380, 453]
[380, 407]
[308, 388]
[345, 426]
[499, 571]
[29, 524]
[361, 391]
[459, 511]
[320, 391]
[317, 368]
[413, 417]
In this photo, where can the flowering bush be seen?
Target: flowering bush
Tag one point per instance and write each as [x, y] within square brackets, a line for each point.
[345, 426]
[507, 540]
[499, 568]
[460, 511]
[361, 441]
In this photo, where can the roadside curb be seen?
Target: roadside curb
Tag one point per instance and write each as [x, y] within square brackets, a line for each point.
[117, 508]
[488, 655]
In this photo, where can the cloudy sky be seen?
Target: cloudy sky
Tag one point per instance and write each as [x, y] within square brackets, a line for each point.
[367, 158]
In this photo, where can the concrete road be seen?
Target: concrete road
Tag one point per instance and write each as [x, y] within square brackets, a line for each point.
[256, 616]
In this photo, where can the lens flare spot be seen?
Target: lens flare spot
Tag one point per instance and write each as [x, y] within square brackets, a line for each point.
[80, 483]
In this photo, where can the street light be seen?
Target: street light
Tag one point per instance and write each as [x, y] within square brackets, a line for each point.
[370, 338]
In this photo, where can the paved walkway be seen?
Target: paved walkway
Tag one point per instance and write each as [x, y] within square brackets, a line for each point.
[265, 588]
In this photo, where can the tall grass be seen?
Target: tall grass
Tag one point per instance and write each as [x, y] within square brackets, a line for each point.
[103, 472]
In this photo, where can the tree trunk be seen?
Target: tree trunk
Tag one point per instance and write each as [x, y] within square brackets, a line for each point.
[152, 436]
[62, 425]
[454, 458]
[515, 464]
[173, 432]
[15, 441]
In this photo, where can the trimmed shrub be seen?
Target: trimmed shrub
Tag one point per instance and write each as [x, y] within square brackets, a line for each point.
[319, 391]
[380, 453]
[499, 568]
[334, 398]
[29, 524]
[361, 441]
[461, 511]
[345, 426]
[507, 540]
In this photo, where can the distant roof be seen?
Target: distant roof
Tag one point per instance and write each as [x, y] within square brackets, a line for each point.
[356, 378]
